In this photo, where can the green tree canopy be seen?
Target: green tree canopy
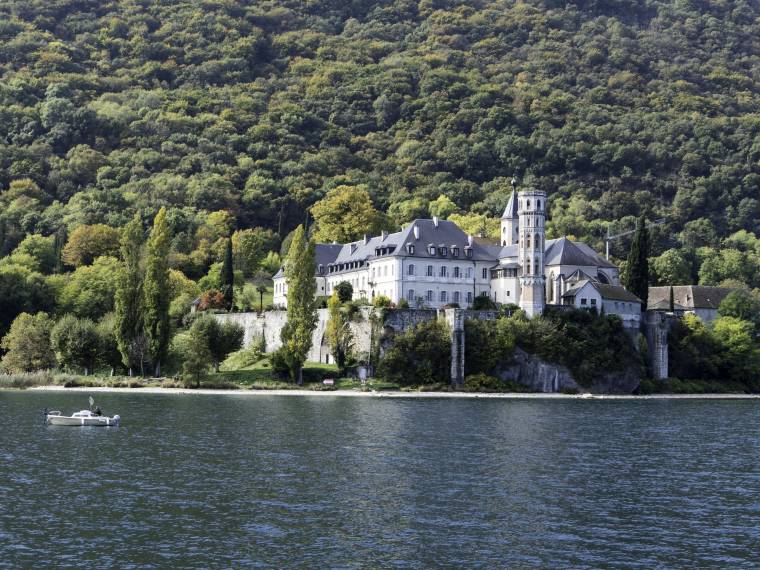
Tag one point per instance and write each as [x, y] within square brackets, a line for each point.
[27, 344]
[345, 214]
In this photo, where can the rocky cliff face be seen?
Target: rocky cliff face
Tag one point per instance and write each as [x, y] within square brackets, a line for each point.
[541, 376]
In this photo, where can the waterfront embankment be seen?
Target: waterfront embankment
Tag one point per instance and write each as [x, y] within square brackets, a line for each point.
[394, 394]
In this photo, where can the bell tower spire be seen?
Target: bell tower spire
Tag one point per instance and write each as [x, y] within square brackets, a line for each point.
[509, 219]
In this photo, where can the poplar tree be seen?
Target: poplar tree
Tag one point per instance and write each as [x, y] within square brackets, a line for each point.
[156, 291]
[228, 276]
[636, 273]
[128, 302]
[302, 305]
[338, 331]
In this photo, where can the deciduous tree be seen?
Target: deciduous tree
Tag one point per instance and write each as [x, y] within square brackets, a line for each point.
[27, 344]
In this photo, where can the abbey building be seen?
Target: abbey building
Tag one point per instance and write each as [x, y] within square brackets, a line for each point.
[432, 263]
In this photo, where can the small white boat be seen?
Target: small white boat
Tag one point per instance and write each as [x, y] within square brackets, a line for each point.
[83, 418]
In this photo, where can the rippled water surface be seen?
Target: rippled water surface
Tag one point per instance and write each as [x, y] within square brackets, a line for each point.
[198, 481]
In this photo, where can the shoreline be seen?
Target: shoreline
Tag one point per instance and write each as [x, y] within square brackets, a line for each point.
[396, 394]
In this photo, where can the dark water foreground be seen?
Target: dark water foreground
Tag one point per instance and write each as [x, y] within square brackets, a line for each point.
[195, 481]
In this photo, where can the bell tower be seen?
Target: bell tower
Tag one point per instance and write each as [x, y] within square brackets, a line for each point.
[532, 215]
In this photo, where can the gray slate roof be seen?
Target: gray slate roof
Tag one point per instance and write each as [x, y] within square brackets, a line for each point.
[607, 292]
[616, 293]
[563, 251]
[510, 212]
[445, 233]
[688, 296]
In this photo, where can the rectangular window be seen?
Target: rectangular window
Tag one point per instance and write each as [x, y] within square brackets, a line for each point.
[444, 296]
[469, 297]
[584, 301]
[593, 302]
[443, 271]
[429, 295]
[468, 273]
[456, 273]
[430, 271]
[455, 251]
[485, 273]
[456, 296]
[411, 270]
[410, 295]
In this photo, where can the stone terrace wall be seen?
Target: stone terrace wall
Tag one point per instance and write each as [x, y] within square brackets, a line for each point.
[270, 324]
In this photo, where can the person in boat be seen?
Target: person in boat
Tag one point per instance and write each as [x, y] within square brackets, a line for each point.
[98, 411]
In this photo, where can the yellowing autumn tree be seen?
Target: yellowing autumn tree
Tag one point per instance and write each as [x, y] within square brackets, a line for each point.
[345, 214]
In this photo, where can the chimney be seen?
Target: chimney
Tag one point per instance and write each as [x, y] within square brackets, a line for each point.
[469, 240]
[366, 239]
[435, 221]
[384, 235]
[416, 232]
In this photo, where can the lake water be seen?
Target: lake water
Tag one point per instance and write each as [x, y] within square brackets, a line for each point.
[199, 481]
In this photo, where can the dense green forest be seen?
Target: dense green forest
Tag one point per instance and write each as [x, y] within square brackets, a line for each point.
[240, 116]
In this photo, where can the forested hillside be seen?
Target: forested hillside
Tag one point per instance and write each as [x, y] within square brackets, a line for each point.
[257, 109]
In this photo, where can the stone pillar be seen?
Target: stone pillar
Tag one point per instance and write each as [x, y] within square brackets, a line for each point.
[455, 320]
[657, 326]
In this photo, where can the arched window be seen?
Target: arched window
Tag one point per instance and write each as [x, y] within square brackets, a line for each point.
[410, 271]
[527, 243]
[538, 204]
[528, 206]
[538, 242]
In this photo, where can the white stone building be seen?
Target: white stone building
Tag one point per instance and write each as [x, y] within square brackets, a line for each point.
[433, 263]
[430, 263]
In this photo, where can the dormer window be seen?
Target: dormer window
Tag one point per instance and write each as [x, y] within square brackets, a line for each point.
[410, 249]
[455, 252]
[468, 252]
[443, 250]
[431, 249]
[321, 269]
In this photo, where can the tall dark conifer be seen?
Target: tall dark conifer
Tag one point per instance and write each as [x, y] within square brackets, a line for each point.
[228, 276]
[636, 274]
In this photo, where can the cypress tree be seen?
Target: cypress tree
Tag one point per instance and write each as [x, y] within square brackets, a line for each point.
[128, 305]
[302, 305]
[228, 276]
[636, 274]
[156, 291]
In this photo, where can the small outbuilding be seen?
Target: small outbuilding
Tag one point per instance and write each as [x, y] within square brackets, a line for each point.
[702, 300]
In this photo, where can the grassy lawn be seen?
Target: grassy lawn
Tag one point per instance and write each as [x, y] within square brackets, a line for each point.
[268, 297]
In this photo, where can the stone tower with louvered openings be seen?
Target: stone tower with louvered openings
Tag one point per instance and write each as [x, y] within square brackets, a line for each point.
[531, 210]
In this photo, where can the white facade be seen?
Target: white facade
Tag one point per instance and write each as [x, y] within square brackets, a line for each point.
[433, 263]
